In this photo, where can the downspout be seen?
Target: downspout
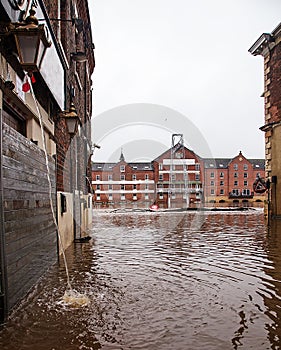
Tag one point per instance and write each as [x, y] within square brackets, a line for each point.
[3, 277]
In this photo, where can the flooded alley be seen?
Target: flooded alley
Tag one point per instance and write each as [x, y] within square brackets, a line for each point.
[160, 281]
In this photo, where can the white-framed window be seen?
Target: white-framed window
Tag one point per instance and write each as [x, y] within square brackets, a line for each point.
[235, 192]
[235, 183]
[110, 197]
[134, 187]
[212, 175]
[245, 175]
[122, 197]
[245, 183]
[146, 187]
[146, 197]
[197, 166]
[235, 166]
[134, 177]
[245, 167]
[146, 177]
[197, 177]
[160, 177]
[161, 195]
[221, 174]
[110, 187]
[122, 177]
[98, 197]
[109, 177]
[122, 187]
[235, 175]
[98, 187]
[246, 192]
[221, 183]
[221, 191]
[122, 168]
[97, 177]
[212, 192]
[160, 166]
[135, 198]
[212, 183]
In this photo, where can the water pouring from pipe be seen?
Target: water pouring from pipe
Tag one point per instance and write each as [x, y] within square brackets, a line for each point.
[71, 297]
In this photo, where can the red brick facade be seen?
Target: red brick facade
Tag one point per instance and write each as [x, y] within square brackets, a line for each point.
[269, 46]
[184, 179]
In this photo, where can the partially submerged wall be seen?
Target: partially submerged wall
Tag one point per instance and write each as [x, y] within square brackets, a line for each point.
[30, 233]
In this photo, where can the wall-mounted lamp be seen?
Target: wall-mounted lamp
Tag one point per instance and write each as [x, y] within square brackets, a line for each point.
[78, 56]
[32, 42]
[72, 120]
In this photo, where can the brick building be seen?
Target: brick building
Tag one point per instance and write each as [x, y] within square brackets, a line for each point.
[179, 178]
[122, 182]
[268, 46]
[35, 100]
[230, 180]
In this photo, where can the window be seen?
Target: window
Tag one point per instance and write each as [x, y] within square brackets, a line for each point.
[246, 192]
[212, 192]
[197, 166]
[212, 183]
[97, 177]
[235, 166]
[221, 191]
[235, 183]
[110, 187]
[146, 197]
[135, 198]
[235, 192]
[122, 168]
[160, 195]
[109, 177]
[236, 175]
[197, 177]
[134, 187]
[98, 187]
[245, 167]
[98, 197]
[110, 197]
[221, 183]
[122, 187]
[212, 175]
[146, 177]
[221, 174]
[160, 166]
[122, 177]
[245, 175]
[246, 183]
[122, 196]
[146, 187]
[160, 177]
[134, 177]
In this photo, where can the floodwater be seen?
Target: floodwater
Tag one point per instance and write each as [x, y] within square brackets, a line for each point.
[169, 281]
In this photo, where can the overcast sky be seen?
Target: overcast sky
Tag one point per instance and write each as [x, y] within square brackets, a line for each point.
[184, 58]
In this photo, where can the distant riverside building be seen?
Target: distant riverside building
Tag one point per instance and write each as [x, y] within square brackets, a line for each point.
[269, 46]
[178, 178]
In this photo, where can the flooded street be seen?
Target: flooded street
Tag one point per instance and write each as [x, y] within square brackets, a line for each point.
[160, 281]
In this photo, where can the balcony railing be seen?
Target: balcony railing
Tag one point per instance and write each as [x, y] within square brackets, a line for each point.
[241, 195]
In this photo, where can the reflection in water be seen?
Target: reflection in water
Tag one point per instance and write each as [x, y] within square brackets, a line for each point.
[157, 281]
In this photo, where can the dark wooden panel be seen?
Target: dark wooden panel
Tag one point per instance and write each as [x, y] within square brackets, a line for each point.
[31, 238]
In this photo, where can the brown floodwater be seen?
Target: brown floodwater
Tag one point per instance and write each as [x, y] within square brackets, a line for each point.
[160, 281]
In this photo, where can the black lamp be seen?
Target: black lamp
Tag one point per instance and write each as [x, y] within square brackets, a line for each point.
[31, 41]
[72, 120]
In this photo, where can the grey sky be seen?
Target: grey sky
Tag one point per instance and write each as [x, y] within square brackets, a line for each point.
[190, 56]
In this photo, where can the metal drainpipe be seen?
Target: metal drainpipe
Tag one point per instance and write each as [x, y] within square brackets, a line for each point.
[3, 277]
